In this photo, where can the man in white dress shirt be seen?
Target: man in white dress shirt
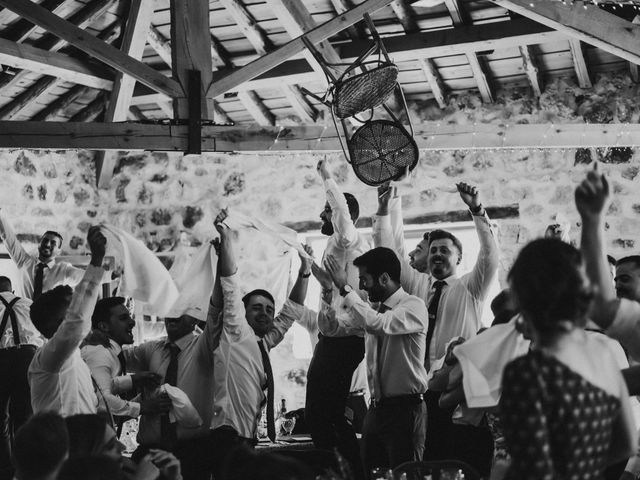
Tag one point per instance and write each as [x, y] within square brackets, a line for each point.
[60, 381]
[242, 369]
[43, 272]
[18, 342]
[455, 303]
[394, 428]
[112, 327]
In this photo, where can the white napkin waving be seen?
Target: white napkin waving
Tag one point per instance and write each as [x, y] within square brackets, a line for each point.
[182, 410]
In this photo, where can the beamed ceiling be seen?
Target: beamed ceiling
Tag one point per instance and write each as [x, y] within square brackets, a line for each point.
[73, 70]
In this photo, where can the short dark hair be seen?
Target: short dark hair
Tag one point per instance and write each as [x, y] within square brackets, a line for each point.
[635, 259]
[5, 284]
[380, 260]
[443, 235]
[255, 293]
[548, 284]
[612, 260]
[86, 434]
[354, 207]
[54, 233]
[503, 308]
[91, 468]
[102, 310]
[40, 445]
[50, 301]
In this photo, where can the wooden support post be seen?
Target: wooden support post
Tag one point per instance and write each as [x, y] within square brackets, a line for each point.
[531, 69]
[634, 70]
[195, 113]
[479, 74]
[579, 64]
[435, 81]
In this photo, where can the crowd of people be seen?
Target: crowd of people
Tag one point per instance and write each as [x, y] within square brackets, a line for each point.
[400, 358]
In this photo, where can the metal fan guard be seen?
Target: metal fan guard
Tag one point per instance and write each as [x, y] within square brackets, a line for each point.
[382, 150]
[364, 91]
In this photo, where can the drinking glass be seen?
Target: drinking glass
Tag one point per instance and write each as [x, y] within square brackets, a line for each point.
[287, 424]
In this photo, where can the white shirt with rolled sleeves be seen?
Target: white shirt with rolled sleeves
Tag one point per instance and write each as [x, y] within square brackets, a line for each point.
[462, 300]
[239, 375]
[105, 369]
[55, 273]
[402, 330]
[60, 381]
[345, 245]
[27, 332]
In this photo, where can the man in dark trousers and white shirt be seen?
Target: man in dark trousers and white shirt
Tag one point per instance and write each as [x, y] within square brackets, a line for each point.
[394, 427]
[43, 272]
[18, 342]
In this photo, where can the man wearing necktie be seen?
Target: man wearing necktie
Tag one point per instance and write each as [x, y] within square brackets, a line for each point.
[42, 272]
[455, 302]
[395, 334]
[243, 377]
[111, 329]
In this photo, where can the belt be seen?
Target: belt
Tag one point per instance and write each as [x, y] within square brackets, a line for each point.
[398, 400]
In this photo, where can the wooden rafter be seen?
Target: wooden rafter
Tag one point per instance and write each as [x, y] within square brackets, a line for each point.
[219, 115]
[300, 103]
[580, 64]
[250, 28]
[60, 104]
[160, 45]
[256, 108]
[591, 25]
[132, 136]
[22, 29]
[88, 43]
[530, 66]
[634, 69]
[342, 6]
[435, 81]
[92, 111]
[133, 42]
[42, 85]
[406, 15]
[480, 74]
[315, 36]
[458, 14]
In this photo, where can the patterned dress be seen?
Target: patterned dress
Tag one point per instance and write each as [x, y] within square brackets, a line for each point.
[557, 426]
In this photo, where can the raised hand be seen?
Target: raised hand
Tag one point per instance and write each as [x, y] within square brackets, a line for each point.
[222, 229]
[97, 245]
[323, 169]
[469, 195]
[306, 262]
[323, 277]
[385, 193]
[592, 195]
[337, 273]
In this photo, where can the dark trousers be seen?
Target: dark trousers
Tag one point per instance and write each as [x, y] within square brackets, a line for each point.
[224, 441]
[194, 455]
[328, 383]
[393, 434]
[15, 400]
[439, 425]
[356, 411]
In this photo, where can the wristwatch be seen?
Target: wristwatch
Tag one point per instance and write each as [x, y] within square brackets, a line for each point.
[344, 291]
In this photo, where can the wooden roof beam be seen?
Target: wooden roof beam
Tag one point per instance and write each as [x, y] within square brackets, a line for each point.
[42, 85]
[580, 64]
[160, 44]
[90, 44]
[256, 108]
[435, 81]
[591, 25]
[480, 74]
[132, 136]
[22, 29]
[256, 36]
[458, 15]
[406, 15]
[530, 66]
[634, 69]
[294, 47]
[305, 110]
[133, 42]
[92, 111]
[341, 6]
[219, 115]
[60, 104]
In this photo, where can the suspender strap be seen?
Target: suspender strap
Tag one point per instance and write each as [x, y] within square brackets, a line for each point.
[9, 313]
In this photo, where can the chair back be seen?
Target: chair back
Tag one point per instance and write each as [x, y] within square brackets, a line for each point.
[435, 470]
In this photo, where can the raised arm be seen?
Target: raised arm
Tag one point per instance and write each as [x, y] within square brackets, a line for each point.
[343, 226]
[487, 262]
[14, 247]
[77, 321]
[213, 327]
[299, 291]
[592, 198]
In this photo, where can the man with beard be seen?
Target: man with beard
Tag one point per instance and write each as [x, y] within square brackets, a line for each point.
[337, 367]
[394, 427]
[627, 277]
[243, 373]
[454, 303]
[41, 273]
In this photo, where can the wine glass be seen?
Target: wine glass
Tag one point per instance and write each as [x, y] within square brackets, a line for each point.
[287, 424]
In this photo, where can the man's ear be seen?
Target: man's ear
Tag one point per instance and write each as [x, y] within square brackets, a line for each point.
[384, 279]
[103, 327]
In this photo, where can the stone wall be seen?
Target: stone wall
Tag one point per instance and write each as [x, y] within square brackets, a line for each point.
[157, 196]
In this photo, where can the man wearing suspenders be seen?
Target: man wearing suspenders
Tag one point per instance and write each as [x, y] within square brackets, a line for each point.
[18, 342]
